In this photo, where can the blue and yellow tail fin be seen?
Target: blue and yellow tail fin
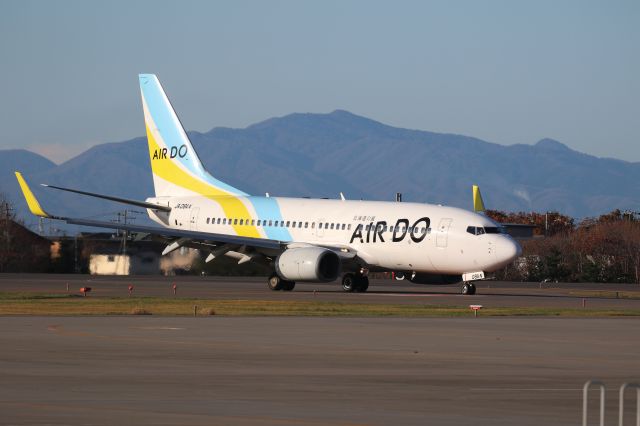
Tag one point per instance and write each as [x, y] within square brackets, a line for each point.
[176, 168]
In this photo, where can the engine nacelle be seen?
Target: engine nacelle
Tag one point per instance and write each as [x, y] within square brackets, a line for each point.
[308, 264]
[434, 279]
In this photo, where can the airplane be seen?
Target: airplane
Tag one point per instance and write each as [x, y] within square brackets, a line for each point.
[300, 239]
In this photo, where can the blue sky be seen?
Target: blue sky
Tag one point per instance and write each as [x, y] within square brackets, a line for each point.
[504, 71]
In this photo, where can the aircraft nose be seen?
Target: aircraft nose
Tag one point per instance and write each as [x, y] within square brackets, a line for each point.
[508, 250]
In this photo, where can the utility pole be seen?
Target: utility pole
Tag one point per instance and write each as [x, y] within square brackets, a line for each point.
[546, 224]
[124, 235]
[75, 254]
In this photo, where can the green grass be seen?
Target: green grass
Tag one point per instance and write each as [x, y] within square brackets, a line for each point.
[607, 294]
[63, 304]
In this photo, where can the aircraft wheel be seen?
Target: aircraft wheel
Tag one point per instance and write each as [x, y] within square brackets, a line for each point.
[275, 283]
[363, 284]
[468, 289]
[288, 285]
[349, 282]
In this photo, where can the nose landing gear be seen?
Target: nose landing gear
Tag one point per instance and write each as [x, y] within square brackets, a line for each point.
[468, 289]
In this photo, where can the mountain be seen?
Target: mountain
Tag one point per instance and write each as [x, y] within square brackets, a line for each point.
[320, 155]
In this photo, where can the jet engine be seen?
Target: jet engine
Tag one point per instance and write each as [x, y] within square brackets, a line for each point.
[308, 264]
[419, 278]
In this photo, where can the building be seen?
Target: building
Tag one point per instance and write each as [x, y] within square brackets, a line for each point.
[22, 250]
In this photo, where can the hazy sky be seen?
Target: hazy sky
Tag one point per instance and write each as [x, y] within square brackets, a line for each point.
[504, 71]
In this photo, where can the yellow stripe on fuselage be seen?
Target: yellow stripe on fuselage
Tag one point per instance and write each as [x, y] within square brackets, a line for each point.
[232, 206]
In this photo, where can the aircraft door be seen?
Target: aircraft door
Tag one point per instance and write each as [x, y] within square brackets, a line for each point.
[193, 222]
[443, 232]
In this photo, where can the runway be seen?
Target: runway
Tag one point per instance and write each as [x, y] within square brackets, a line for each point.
[312, 371]
[309, 371]
[490, 293]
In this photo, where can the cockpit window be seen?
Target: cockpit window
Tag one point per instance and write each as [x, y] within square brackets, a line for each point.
[479, 230]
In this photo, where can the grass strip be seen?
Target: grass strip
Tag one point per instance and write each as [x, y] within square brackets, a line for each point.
[606, 294]
[56, 304]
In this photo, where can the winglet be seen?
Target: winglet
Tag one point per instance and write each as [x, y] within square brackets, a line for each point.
[478, 204]
[32, 202]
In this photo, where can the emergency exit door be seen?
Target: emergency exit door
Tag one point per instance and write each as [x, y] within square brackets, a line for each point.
[193, 222]
[443, 232]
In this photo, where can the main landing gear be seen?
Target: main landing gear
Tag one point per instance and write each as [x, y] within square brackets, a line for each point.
[355, 283]
[468, 289]
[276, 283]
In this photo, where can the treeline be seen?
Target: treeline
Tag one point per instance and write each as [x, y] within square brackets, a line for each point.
[603, 249]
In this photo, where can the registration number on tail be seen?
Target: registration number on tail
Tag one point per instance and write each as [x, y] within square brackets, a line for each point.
[473, 276]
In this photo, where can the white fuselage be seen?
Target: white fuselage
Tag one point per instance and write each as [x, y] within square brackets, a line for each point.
[389, 235]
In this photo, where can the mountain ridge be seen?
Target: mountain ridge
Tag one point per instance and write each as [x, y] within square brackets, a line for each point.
[317, 155]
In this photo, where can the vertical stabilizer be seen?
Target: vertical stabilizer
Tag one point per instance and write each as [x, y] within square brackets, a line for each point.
[176, 168]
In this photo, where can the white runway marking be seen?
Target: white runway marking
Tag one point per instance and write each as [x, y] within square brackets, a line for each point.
[525, 389]
[413, 294]
[157, 328]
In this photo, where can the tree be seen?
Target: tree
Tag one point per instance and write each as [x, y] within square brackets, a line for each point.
[7, 216]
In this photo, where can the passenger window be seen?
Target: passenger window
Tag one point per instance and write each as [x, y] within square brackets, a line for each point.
[207, 221]
[306, 225]
[235, 221]
[343, 226]
[270, 223]
[331, 227]
[241, 220]
[293, 224]
[224, 221]
[218, 221]
[349, 227]
[313, 225]
[288, 223]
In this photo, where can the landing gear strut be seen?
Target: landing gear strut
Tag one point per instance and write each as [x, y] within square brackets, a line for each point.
[276, 283]
[468, 289]
[355, 283]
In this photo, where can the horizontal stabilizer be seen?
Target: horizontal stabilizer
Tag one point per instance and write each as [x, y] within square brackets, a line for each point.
[143, 204]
